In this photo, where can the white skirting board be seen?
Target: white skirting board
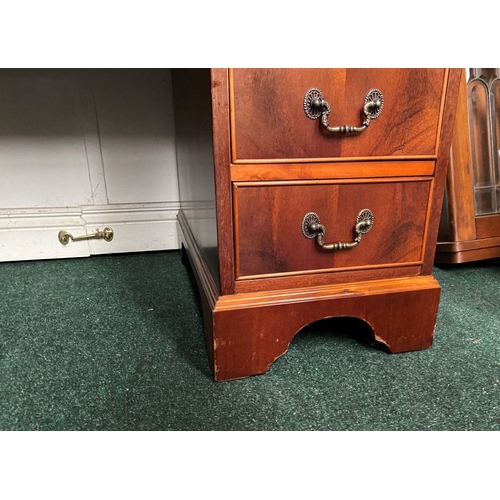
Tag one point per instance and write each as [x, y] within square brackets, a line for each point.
[32, 234]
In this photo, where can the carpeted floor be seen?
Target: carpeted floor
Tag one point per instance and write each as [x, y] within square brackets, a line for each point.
[116, 343]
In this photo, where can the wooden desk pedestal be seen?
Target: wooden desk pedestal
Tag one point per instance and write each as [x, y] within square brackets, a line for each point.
[256, 172]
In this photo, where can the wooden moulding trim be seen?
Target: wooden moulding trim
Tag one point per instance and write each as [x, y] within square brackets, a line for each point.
[467, 255]
[335, 159]
[441, 109]
[223, 193]
[236, 231]
[345, 170]
[329, 270]
[323, 279]
[428, 217]
[461, 219]
[436, 149]
[314, 294]
[487, 226]
[431, 204]
[463, 246]
[232, 113]
[205, 278]
[452, 84]
[242, 184]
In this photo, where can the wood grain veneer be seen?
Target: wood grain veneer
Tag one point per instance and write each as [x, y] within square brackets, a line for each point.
[336, 170]
[268, 118]
[270, 240]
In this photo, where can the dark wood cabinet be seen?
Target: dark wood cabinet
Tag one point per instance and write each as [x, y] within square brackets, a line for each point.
[470, 223]
[287, 219]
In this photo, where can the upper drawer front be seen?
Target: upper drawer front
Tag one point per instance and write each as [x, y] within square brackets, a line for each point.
[269, 123]
[268, 225]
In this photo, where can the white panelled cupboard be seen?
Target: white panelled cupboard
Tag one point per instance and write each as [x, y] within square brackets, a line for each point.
[85, 149]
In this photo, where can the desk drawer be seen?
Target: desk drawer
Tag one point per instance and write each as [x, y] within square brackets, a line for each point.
[268, 122]
[269, 216]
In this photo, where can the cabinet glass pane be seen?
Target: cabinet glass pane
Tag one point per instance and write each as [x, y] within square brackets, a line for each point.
[495, 126]
[485, 200]
[480, 136]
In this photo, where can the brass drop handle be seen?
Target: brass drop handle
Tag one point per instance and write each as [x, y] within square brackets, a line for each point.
[315, 106]
[106, 234]
[312, 228]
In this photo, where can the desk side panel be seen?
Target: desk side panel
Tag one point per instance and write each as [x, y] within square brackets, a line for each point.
[195, 159]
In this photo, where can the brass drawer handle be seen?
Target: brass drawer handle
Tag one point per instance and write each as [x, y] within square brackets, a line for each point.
[315, 106]
[312, 228]
[106, 234]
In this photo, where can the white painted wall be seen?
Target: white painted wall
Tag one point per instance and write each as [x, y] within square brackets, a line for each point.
[84, 149]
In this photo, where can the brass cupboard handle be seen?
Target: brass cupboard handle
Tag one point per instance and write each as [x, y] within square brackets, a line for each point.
[315, 106]
[312, 228]
[106, 234]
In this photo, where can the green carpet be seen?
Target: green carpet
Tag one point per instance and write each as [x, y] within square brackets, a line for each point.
[116, 343]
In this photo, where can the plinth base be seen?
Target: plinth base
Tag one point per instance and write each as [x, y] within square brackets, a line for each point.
[247, 332]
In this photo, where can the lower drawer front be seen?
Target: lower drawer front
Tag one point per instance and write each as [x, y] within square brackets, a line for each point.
[268, 225]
